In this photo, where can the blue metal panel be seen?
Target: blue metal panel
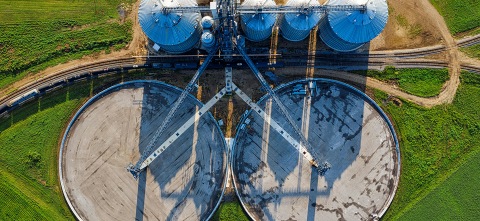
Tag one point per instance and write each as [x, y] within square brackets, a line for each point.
[258, 27]
[296, 27]
[186, 65]
[332, 40]
[356, 26]
[174, 32]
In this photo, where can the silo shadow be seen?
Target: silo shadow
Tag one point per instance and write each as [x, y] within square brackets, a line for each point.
[272, 176]
[355, 62]
[184, 182]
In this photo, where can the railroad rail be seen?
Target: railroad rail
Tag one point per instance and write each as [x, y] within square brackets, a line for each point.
[471, 68]
[62, 74]
[337, 61]
[469, 41]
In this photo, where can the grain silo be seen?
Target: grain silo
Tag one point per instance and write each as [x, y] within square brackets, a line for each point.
[208, 40]
[258, 26]
[349, 30]
[174, 32]
[297, 26]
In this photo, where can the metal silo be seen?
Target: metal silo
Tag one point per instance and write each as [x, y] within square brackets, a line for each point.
[207, 22]
[208, 40]
[174, 32]
[297, 26]
[349, 30]
[258, 26]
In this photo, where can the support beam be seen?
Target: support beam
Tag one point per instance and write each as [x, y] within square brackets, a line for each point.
[182, 129]
[137, 168]
[275, 125]
[322, 168]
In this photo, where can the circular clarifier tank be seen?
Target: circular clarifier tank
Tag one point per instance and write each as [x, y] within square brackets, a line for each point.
[345, 128]
[185, 182]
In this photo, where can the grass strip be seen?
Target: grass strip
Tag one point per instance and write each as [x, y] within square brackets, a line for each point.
[230, 211]
[424, 82]
[472, 51]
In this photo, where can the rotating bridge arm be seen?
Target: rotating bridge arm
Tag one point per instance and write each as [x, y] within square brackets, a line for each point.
[137, 168]
[322, 168]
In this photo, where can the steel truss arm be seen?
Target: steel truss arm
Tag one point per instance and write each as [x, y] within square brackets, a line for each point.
[135, 170]
[299, 9]
[272, 9]
[185, 9]
[322, 168]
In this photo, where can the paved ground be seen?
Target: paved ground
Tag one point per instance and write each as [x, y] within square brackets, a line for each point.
[277, 183]
[184, 183]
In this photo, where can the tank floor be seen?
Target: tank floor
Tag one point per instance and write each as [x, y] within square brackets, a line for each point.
[184, 183]
[276, 182]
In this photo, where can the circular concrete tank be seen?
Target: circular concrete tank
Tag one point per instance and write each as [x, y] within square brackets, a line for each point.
[186, 182]
[348, 130]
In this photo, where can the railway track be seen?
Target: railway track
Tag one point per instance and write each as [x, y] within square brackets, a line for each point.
[471, 68]
[393, 58]
[62, 74]
[469, 41]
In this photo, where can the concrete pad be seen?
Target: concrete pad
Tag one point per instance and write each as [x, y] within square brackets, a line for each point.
[275, 182]
[184, 183]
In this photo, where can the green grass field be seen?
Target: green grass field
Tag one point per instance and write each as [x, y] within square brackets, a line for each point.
[230, 211]
[420, 82]
[433, 141]
[472, 51]
[42, 33]
[28, 157]
[455, 199]
[460, 15]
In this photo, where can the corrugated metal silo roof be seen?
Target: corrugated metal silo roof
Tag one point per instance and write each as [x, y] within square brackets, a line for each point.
[167, 28]
[356, 26]
[259, 26]
[302, 21]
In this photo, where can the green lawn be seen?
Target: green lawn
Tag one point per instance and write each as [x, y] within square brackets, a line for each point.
[472, 51]
[41, 33]
[230, 211]
[460, 15]
[420, 82]
[455, 199]
[433, 141]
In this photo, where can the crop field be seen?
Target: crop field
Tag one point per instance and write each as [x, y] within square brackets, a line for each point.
[420, 82]
[472, 51]
[460, 15]
[28, 156]
[433, 141]
[455, 199]
[35, 35]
